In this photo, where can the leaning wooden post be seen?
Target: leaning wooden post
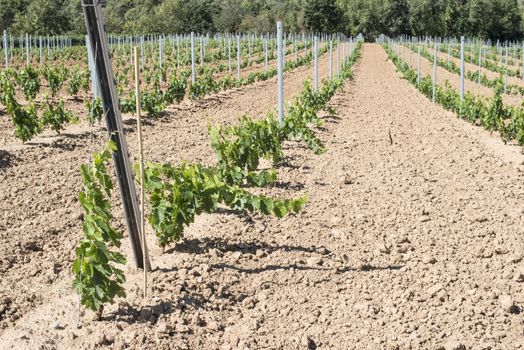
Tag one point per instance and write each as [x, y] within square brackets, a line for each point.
[141, 160]
[102, 62]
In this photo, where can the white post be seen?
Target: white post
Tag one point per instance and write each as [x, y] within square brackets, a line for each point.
[266, 54]
[229, 54]
[27, 48]
[402, 52]
[506, 72]
[40, 47]
[449, 53]
[201, 51]
[409, 55]
[177, 52]
[316, 64]
[7, 54]
[435, 73]
[142, 52]
[418, 66]
[295, 47]
[330, 59]
[248, 49]
[338, 48]
[280, 74]
[193, 73]
[461, 68]
[343, 53]
[238, 57]
[480, 63]
[160, 51]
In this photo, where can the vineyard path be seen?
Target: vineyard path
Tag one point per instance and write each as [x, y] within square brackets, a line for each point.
[413, 236]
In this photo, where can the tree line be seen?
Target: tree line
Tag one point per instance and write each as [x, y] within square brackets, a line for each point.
[495, 19]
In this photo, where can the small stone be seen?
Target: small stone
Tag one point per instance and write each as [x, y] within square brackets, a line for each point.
[32, 246]
[347, 180]
[404, 248]
[120, 345]
[382, 248]
[57, 326]
[429, 260]
[519, 276]
[514, 258]
[144, 315]
[164, 328]
[314, 261]
[507, 304]
[198, 321]
[323, 251]
[104, 340]
[204, 268]
[454, 345]
[424, 218]
[182, 328]
[248, 303]
[432, 291]
[213, 325]
[215, 253]
[236, 255]
[79, 215]
[52, 231]
[260, 253]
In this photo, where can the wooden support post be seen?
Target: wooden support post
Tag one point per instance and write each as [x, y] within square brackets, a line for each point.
[99, 46]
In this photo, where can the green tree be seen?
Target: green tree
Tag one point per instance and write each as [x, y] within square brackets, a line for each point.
[229, 17]
[43, 17]
[426, 17]
[198, 16]
[322, 16]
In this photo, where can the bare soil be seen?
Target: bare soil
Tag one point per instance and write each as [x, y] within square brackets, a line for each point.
[412, 236]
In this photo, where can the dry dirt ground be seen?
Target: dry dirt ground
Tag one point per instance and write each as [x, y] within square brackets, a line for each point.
[413, 237]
